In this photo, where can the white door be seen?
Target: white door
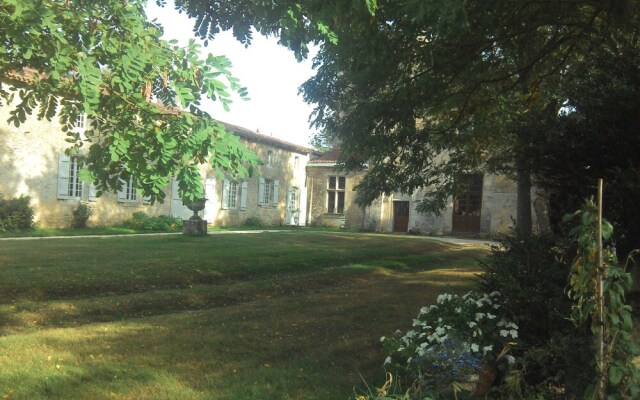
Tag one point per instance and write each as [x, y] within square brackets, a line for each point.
[178, 209]
[292, 212]
[210, 205]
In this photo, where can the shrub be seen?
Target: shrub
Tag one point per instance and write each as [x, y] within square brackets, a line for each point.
[530, 272]
[81, 215]
[253, 221]
[16, 214]
[452, 340]
[142, 221]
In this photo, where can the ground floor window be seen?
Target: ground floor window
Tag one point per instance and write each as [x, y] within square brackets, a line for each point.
[335, 194]
[230, 193]
[69, 183]
[127, 192]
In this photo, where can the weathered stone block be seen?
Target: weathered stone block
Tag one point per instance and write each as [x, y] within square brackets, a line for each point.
[194, 227]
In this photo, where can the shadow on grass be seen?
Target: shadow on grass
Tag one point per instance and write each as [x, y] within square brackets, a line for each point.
[307, 343]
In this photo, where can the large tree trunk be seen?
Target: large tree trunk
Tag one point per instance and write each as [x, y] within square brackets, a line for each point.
[523, 212]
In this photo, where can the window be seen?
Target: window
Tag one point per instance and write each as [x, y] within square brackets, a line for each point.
[296, 162]
[69, 184]
[268, 192]
[230, 191]
[270, 158]
[335, 194]
[127, 192]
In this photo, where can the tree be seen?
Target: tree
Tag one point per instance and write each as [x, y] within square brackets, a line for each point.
[106, 60]
[426, 92]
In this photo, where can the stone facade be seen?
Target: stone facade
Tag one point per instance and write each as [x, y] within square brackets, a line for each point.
[32, 162]
[275, 195]
[495, 215]
[30, 159]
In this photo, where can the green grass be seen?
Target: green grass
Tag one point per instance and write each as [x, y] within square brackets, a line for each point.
[51, 232]
[286, 315]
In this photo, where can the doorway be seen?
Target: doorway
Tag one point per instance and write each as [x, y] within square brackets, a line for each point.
[400, 216]
[467, 206]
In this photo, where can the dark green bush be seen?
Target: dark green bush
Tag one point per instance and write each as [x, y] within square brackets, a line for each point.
[16, 214]
[81, 215]
[142, 221]
[530, 271]
[253, 221]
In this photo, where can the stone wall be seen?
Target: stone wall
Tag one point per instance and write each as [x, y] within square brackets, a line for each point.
[287, 167]
[29, 166]
[353, 217]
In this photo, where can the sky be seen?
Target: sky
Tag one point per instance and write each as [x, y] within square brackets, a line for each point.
[269, 71]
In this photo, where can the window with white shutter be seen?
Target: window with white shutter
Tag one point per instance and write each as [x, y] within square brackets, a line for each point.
[69, 183]
[127, 192]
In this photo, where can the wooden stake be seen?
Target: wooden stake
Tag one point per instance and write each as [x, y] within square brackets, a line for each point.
[602, 379]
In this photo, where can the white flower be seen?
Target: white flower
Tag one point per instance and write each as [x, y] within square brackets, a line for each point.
[491, 316]
[471, 324]
[494, 293]
[487, 349]
[424, 310]
[458, 310]
[510, 359]
[382, 339]
[479, 316]
[440, 331]
[475, 348]
[504, 333]
[387, 361]
[514, 333]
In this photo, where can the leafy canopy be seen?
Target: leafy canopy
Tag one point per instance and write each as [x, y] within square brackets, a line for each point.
[142, 95]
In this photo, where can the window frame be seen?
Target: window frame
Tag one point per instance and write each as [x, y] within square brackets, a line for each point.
[336, 194]
[129, 192]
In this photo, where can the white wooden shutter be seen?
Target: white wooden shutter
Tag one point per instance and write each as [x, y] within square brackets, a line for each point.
[243, 195]
[288, 205]
[146, 199]
[93, 192]
[210, 205]
[175, 188]
[276, 192]
[260, 191]
[225, 194]
[64, 163]
[122, 193]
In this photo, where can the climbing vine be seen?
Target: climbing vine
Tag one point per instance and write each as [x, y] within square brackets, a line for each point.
[606, 313]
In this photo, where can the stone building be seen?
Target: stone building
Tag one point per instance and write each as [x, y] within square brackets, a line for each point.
[33, 163]
[487, 208]
[276, 194]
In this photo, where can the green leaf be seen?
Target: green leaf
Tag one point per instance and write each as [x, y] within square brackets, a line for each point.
[615, 374]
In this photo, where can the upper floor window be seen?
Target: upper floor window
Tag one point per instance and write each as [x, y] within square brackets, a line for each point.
[296, 162]
[335, 194]
[269, 158]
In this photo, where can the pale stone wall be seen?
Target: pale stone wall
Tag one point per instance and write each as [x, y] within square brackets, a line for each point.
[498, 210]
[283, 168]
[29, 166]
[354, 217]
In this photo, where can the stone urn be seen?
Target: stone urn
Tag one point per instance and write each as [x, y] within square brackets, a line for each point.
[195, 206]
[195, 225]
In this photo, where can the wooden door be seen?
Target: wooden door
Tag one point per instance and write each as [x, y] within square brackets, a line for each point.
[400, 216]
[467, 206]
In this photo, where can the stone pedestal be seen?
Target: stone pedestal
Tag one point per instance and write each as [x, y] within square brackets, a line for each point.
[194, 227]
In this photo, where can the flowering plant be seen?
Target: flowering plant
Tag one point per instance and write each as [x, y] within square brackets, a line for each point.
[452, 340]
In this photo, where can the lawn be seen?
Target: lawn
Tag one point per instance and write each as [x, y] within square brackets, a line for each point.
[286, 315]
